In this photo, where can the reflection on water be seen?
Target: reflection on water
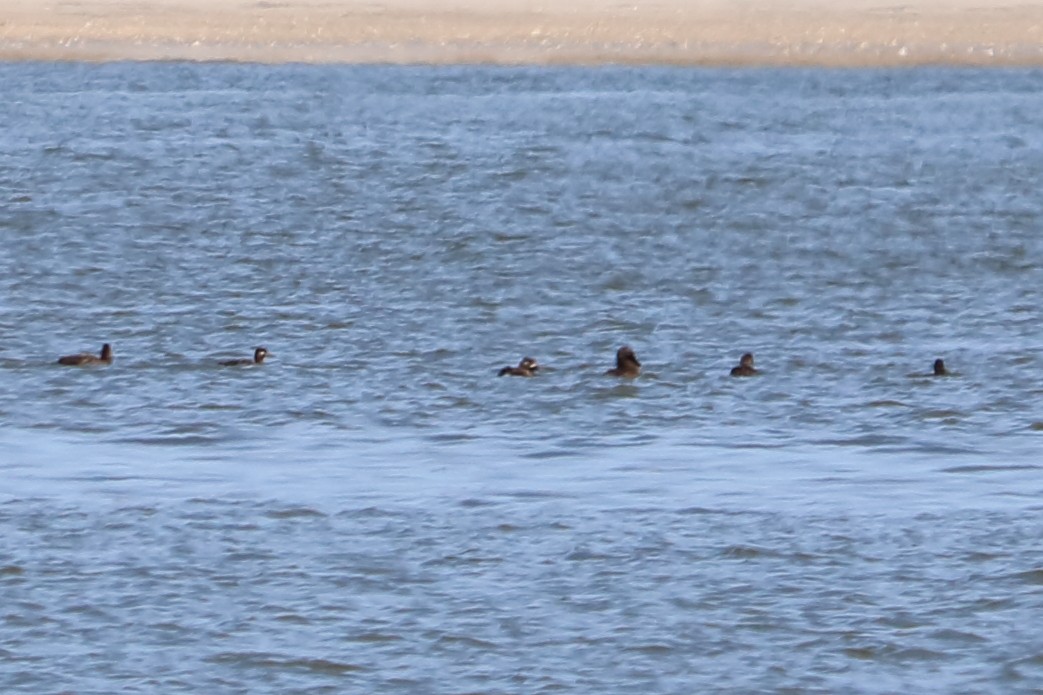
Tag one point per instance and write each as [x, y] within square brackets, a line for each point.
[373, 508]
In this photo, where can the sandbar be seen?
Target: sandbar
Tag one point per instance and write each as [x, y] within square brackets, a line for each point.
[836, 33]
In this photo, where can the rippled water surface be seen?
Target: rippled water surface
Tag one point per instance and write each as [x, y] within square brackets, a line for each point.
[374, 510]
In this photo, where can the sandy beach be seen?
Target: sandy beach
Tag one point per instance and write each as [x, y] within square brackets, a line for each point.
[682, 32]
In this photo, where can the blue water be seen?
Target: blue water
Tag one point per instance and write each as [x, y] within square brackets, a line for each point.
[374, 510]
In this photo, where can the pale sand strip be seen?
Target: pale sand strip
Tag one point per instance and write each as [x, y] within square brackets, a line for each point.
[691, 32]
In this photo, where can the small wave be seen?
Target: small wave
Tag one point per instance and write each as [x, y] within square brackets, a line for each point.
[961, 636]
[585, 554]
[473, 502]
[467, 641]
[294, 513]
[747, 552]
[368, 513]
[699, 511]
[371, 637]
[1033, 577]
[451, 437]
[866, 440]
[173, 440]
[268, 661]
[893, 653]
[945, 415]
[655, 649]
[537, 494]
[546, 454]
[985, 468]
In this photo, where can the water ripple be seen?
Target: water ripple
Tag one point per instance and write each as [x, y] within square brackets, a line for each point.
[374, 510]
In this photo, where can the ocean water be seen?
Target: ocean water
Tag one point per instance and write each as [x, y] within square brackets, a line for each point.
[374, 510]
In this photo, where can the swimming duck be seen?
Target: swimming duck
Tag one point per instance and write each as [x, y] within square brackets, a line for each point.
[527, 367]
[939, 368]
[84, 358]
[745, 367]
[259, 355]
[626, 364]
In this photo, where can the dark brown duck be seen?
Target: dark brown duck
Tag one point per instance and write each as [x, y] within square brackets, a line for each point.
[745, 366]
[85, 358]
[527, 367]
[259, 355]
[627, 364]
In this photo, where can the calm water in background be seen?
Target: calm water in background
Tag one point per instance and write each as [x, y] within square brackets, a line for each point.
[373, 510]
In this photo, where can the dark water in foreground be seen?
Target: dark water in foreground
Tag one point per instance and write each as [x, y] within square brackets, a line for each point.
[374, 511]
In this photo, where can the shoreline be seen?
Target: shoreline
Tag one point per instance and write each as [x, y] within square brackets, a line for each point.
[710, 33]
